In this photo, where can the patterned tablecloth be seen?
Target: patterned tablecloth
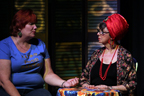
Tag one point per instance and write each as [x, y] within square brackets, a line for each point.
[86, 92]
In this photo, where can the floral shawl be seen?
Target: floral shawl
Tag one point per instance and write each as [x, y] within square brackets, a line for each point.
[126, 70]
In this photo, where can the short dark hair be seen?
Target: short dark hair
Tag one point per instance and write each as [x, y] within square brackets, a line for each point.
[102, 25]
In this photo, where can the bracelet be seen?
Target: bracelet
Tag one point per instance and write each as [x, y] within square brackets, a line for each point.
[62, 83]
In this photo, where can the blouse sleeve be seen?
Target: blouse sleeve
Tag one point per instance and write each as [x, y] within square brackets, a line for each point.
[130, 82]
[4, 50]
[85, 76]
[46, 54]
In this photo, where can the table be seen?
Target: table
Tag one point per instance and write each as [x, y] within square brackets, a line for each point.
[86, 92]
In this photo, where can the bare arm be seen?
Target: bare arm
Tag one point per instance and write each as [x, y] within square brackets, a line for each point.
[118, 87]
[51, 78]
[121, 88]
[5, 71]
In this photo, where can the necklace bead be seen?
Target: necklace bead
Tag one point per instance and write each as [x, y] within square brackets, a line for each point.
[100, 70]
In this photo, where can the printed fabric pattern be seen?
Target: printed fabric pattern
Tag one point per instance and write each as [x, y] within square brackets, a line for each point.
[126, 70]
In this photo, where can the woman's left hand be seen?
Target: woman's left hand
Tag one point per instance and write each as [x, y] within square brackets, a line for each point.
[101, 87]
[71, 82]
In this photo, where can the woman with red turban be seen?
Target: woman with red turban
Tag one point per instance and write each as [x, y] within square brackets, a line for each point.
[112, 66]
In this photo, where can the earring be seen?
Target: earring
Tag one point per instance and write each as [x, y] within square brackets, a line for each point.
[111, 43]
[19, 34]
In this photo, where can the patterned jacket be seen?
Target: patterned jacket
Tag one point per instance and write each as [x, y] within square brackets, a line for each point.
[126, 70]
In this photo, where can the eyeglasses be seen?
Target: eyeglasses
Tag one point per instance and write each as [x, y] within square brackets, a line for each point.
[101, 32]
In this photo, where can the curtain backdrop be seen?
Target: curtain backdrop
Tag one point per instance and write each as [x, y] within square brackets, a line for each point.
[133, 11]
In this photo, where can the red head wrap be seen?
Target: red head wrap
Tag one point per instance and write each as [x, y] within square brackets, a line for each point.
[117, 26]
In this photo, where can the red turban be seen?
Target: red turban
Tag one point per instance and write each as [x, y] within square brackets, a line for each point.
[117, 26]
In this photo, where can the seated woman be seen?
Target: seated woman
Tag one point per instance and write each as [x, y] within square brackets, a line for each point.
[112, 66]
[22, 58]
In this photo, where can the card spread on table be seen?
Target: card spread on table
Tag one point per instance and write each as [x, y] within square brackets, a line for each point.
[86, 92]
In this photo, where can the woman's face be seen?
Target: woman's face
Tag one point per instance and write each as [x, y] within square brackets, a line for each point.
[103, 36]
[29, 30]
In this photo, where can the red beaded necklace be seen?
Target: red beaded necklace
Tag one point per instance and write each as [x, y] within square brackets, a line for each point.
[100, 71]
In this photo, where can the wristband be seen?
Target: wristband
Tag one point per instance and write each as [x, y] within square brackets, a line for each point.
[62, 83]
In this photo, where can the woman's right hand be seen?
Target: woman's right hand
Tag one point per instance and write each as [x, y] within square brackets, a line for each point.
[88, 86]
[71, 82]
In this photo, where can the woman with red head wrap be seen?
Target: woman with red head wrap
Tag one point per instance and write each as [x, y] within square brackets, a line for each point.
[112, 66]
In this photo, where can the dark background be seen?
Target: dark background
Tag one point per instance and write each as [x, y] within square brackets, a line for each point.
[132, 10]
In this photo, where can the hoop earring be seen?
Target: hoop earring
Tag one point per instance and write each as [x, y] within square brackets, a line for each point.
[19, 34]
